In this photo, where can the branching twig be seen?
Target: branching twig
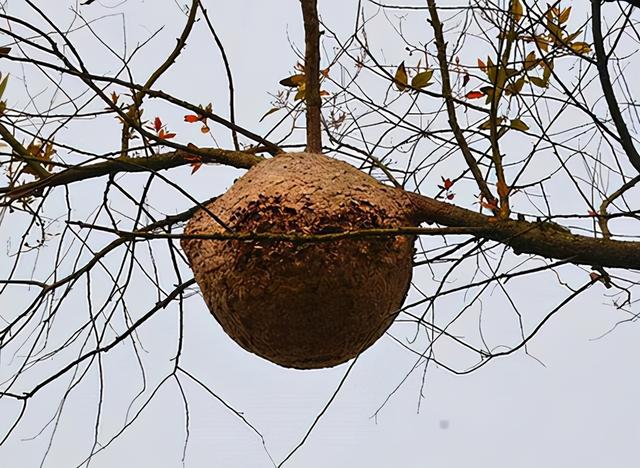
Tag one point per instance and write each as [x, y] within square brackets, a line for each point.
[607, 89]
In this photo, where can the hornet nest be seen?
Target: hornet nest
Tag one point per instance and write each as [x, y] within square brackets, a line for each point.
[303, 305]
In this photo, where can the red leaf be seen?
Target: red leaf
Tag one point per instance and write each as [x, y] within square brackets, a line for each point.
[489, 204]
[195, 167]
[450, 196]
[446, 183]
[191, 118]
[474, 95]
[592, 213]
[157, 124]
[165, 135]
[194, 161]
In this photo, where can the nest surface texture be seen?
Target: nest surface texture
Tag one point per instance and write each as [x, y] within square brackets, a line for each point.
[305, 305]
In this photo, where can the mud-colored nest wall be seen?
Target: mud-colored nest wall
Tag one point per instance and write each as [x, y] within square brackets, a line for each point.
[303, 305]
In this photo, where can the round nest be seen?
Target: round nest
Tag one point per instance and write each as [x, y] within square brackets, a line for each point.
[303, 305]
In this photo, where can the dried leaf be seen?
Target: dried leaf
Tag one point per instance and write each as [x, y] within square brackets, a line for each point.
[421, 80]
[486, 125]
[516, 87]
[539, 82]
[564, 16]
[293, 81]
[542, 43]
[465, 79]
[300, 93]
[401, 78]
[3, 85]
[580, 48]
[546, 74]
[517, 10]
[518, 124]
[530, 61]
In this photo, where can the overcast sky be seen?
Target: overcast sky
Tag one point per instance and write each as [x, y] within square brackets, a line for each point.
[570, 403]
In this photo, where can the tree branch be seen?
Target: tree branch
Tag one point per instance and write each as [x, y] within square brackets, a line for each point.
[542, 239]
[451, 110]
[312, 74]
[607, 89]
[21, 152]
[154, 163]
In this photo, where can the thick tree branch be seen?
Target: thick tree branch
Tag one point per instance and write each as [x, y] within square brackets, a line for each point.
[140, 164]
[542, 239]
[607, 89]
[312, 73]
[539, 238]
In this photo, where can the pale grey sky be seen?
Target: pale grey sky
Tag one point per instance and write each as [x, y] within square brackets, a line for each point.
[574, 405]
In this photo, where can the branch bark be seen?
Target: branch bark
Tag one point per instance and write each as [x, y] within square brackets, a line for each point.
[531, 238]
[312, 74]
[607, 89]
[154, 163]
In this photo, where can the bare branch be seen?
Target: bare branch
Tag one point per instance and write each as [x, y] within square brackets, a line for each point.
[312, 74]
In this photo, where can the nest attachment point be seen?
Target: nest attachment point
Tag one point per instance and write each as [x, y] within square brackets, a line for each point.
[306, 305]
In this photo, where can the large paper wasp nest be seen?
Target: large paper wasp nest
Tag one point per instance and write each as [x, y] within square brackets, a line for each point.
[305, 305]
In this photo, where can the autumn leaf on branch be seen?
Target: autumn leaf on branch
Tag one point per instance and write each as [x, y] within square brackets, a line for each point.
[192, 118]
[160, 129]
[401, 78]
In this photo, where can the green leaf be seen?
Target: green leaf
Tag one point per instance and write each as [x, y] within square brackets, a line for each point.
[421, 80]
[518, 124]
[401, 78]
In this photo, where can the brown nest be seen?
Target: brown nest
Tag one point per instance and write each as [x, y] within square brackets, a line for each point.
[307, 305]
